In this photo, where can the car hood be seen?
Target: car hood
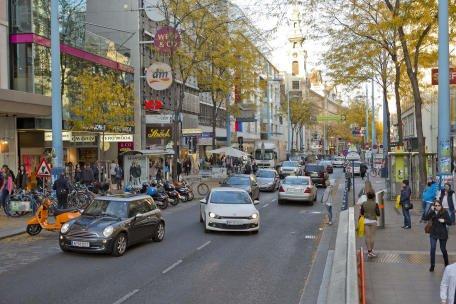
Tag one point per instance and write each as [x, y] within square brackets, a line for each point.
[243, 187]
[290, 168]
[232, 209]
[85, 222]
[265, 180]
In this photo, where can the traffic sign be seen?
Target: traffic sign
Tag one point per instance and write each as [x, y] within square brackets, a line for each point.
[43, 170]
[330, 117]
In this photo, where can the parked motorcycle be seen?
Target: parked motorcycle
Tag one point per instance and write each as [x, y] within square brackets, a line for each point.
[172, 193]
[185, 191]
[160, 198]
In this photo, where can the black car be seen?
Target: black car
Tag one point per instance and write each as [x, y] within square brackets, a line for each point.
[112, 223]
[317, 173]
[245, 182]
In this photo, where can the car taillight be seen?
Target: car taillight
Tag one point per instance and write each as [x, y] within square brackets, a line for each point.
[321, 174]
[281, 189]
[307, 190]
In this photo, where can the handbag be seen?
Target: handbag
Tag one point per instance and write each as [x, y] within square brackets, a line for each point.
[398, 202]
[361, 226]
[427, 228]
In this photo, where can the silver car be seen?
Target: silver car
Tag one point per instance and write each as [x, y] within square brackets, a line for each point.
[268, 179]
[297, 188]
[290, 168]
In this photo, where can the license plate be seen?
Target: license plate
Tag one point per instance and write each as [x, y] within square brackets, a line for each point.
[80, 244]
[232, 222]
[314, 174]
[293, 190]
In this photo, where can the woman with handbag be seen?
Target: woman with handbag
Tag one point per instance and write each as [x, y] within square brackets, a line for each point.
[370, 211]
[447, 199]
[406, 193]
[438, 218]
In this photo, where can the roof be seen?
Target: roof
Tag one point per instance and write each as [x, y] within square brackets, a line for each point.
[124, 197]
[227, 189]
[266, 169]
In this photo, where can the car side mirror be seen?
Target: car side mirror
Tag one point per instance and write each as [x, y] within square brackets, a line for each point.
[203, 201]
[256, 202]
[138, 215]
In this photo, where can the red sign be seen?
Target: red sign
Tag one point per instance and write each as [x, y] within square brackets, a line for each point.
[167, 39]
[125, 146]
[435, 76]
[153, 105]
[43, 170]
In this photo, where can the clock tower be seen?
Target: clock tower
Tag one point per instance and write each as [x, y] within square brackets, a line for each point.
[296, 53]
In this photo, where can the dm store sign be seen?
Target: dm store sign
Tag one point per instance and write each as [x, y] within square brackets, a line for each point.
[159, 76]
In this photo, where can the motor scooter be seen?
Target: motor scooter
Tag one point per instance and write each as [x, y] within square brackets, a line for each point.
[173, 194]
[160, 198]
[185, 191]
[40, 219]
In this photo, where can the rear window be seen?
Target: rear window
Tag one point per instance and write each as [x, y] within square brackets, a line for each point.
[290, 164]
[295, 181]
[315, 168]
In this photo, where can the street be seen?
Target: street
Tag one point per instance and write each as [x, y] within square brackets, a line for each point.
[189, 266]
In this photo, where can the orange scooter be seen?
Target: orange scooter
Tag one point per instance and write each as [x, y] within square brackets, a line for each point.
[40, 220]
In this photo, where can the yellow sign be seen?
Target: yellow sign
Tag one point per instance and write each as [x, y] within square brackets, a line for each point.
[159, 133]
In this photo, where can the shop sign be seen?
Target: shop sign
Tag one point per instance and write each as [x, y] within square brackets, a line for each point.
[207, 134]
[153, 105]
[66, 136]
[125, 146]
[167, 39]
[205, 141]
[435, 76]
[158, 119]
[118, 137]
[83, 138]
[158, 132]
[159, 76]
[191, 132]
[153, 12]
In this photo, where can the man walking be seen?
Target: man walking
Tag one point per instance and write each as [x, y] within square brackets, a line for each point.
[87, 175]
[62, 188]
[448, 285]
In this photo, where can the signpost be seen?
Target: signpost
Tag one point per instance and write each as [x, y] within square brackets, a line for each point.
[44, 172]
[331, 117]
[353, 156]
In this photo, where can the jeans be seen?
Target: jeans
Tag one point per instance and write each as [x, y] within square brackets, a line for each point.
[426, 207]
[330, 212]
[407, 219]
[442, 248]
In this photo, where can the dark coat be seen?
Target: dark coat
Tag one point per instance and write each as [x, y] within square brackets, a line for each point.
[405, 195]
[87, 175]
[438, 230]
[61, 186]
[449, 198]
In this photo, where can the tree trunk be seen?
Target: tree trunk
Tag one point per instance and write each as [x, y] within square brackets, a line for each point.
[397, 94]
[387, 123]
[292, 138]
[214, 124]
[177, 105]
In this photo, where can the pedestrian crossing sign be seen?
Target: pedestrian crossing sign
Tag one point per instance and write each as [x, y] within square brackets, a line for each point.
[43, 169]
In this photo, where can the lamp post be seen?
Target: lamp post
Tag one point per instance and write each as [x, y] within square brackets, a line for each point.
[289, 123]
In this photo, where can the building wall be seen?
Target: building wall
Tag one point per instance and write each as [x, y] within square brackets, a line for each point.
[4, 79]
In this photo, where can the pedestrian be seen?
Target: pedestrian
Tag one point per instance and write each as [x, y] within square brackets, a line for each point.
[112, 171]
[77, 174]
[187, 166]
[248, 168]
[22, 178]
[439, 219]
[448, 285]
[362, 170]
[327, 199]
[370, 210]
[118, 176]
[62, 188]
[87, 175]
[7, 187]
[362, 195]
[96, 171]
[254, 167]
[428, 196]
[406, 193]
[447, 199]
[179, 169]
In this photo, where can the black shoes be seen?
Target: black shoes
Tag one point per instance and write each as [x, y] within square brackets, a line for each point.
[432, 268]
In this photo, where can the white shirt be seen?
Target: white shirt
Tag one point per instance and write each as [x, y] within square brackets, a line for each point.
[445, 200]
[327, 196]
[448, 284]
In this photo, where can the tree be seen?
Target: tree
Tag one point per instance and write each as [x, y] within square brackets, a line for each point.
[300, 116]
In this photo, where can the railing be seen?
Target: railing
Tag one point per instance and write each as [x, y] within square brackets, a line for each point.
[361, 277]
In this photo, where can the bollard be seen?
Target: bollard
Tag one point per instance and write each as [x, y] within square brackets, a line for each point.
[381, 204]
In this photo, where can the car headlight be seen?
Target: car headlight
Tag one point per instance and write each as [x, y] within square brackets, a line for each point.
[254, 216]
[108, 231]
[65, 228]
[212, 214]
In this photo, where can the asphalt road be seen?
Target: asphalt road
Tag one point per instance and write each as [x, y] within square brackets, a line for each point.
[189, 266]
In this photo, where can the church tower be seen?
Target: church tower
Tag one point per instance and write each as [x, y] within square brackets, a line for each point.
[297, 55]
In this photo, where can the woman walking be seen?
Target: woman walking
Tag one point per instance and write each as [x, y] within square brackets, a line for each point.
[439, 219]
[77, 174]
[370, 211]
[21, 178]
[447, 200]
[406, 192]
[328, 200]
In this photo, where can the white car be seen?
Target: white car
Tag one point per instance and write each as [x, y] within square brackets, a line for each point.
[297, 188]
[338, 162]
[229, 209]
[357, 170]
[290, 168]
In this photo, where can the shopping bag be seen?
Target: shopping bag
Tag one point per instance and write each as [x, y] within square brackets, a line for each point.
[398, 202]
[361, 226]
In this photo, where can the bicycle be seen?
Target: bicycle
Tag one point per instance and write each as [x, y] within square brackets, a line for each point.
[80, 196]
[201, 187]
[374, 172]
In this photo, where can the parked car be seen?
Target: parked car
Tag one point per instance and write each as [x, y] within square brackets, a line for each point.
[328, 165]
[317, 173]
[297, 188]
[338, 162]
[290, 168]
[229, 209]
[112, 223]
[245, 182]
[268, 179]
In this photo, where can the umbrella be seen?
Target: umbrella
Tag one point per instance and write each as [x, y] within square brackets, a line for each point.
[228, 151]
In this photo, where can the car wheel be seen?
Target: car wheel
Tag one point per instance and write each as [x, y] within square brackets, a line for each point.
[201, 218]
[315, 198]
[120, 245]
[33, 229]
[159, 234]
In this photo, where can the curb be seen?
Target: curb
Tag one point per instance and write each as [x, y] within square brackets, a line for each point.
[16, 232]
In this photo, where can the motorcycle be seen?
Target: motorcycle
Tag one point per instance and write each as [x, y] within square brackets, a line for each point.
[40, 219]
[185, 191]
[172, 193]
[160, 198]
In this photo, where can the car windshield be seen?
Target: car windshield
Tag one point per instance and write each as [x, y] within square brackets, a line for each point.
[265, 174]
[315, 168]
[325, 163]
[290, 164]
[238, 180]
[108, 208]
[291, 180]
[268, 155]
[230, 197]
[339, 159]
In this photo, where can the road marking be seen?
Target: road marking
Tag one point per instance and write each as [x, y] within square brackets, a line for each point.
[171, 267]
[204, 245]
[309, 212]
[315, 212]
[310, 237]
[274, 200]
[265, 205]
[126, 297]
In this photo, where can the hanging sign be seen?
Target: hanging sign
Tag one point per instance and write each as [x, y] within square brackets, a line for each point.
[125, 146]
[159, 76]
[43, 170]
[153, 12]
[118, 137]
[153, 105]
[158, 119]
[167, 39]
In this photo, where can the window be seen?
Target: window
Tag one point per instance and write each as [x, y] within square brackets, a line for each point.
[134, 208]
[145, 206]
[295, 69]
[295, 85]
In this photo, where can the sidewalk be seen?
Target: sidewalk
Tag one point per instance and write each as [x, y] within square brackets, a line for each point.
[400, 272]
[10, 226]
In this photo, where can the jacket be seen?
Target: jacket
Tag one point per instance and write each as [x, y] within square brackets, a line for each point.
[61, 186]
[327, 196]
[21, 180]
[370, 210]
[438, 230]
[449, 198]
[448, 284]
[429, 193]
[405, 195]
[87, 175]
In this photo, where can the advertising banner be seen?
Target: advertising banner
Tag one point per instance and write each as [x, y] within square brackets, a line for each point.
[136, 170]
[400, 171]
[167, 39]
[159, 76]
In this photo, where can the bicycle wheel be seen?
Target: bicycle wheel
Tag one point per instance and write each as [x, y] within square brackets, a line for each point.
[203, 189]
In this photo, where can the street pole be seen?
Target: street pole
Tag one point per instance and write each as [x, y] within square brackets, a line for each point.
[367, 113]
[228, 122]
[289, 123]
[444, 91]
[385, 140]
[325, 131]
[373, 123]
[57, 142]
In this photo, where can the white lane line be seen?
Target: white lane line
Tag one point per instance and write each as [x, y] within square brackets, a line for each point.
[126, 297]
[265, 205]
[171, 267]
[274, 200]
[204, 245]
[310, 237]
